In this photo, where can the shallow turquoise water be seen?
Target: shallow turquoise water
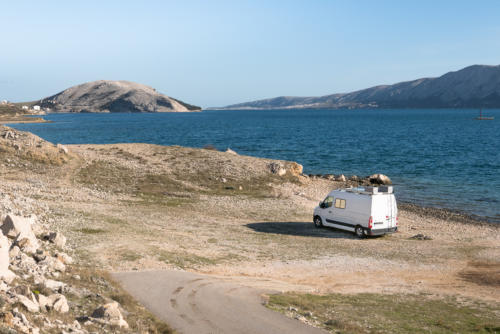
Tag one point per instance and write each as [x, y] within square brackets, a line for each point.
[441, 158]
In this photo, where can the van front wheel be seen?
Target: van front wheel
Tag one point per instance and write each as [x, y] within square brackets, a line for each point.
[360, 233]
[318, 223]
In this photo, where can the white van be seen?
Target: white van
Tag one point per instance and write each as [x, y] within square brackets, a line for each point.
[364, 211]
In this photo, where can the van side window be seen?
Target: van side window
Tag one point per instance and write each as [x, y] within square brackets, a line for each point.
[328, 202]
[340, 203]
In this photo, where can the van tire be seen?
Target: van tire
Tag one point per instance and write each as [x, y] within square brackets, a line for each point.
[318, 223]
[359, 231]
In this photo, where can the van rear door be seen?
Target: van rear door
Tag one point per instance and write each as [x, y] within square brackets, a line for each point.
[393, 210]
[381, 211]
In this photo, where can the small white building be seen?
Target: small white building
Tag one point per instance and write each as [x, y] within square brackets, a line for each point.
[25, 107]
[4, 101]
[36, 108]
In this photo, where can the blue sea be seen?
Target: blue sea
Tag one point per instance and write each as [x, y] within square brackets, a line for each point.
[439, 158]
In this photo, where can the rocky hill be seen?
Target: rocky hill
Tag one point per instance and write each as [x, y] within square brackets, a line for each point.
[472, 87]
[114, 96]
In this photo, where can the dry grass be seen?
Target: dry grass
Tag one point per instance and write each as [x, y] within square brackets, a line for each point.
[376, 313]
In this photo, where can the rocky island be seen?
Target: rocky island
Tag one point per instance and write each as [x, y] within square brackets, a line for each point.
[113, 96]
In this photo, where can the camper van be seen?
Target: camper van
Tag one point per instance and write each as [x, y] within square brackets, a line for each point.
[364, 211]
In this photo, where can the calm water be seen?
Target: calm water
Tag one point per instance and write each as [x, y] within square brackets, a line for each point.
[439, 158]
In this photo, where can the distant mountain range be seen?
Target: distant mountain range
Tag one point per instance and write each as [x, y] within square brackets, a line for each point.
[113, 96]
[472, 87]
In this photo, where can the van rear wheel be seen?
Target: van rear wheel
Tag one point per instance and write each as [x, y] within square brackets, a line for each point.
[318, 223]
[359, 231]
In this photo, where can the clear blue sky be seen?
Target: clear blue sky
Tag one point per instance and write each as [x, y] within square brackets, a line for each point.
[214, 53]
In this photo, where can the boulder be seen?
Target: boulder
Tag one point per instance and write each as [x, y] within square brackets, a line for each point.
[14, 251]
[110, 313]
[64, 258]
[40, 255]
[277, 168]
[43, 302]
[5, 273]
[380, 179]
[52, 264]
[26, 245]
[53, 285]
[62, 148]
[295, 169]
[230, 151]
[340, 178]
[354, 178]
[421, 237]
[14, 225]
[58, 302]
[30, 304]
[19, 228]
[57, 238]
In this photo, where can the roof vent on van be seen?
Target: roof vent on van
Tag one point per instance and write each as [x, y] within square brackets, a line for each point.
[386, 189]
[371, 190]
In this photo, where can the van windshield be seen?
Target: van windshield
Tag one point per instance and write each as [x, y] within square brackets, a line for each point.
[328, 202]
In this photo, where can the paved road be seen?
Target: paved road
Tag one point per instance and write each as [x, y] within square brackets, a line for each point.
[193, 303]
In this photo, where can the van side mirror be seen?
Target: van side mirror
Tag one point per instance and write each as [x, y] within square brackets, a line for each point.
[322, 205]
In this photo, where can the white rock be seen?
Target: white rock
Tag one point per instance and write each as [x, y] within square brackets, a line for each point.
[14, 251]
[277, 168]
[380, 179]
[19, 228]
[53, 285]
[59, 303]
[43, 302]
[64, 258]
[5, 273]
[57, 238]
[111, 314]
[62, 148]
[230, 151]
[30, 305]
[340, 178]
[3, 286]
[14, 225]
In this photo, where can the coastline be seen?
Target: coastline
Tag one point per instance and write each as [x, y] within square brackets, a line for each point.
[424, 210]
[446, 214]
[22, 120]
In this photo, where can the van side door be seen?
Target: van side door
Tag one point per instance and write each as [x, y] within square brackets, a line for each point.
[339, 217]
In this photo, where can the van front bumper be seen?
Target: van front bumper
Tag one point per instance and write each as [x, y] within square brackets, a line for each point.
[381, 231]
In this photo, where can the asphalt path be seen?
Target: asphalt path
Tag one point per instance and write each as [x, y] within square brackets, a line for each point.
[194, 303]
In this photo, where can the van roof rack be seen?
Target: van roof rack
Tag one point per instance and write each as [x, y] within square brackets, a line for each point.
[370, 190]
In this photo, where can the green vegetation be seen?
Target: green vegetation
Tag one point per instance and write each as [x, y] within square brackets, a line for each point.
[87, 230]
[377, 313]
[167, 189]
[128, 255]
